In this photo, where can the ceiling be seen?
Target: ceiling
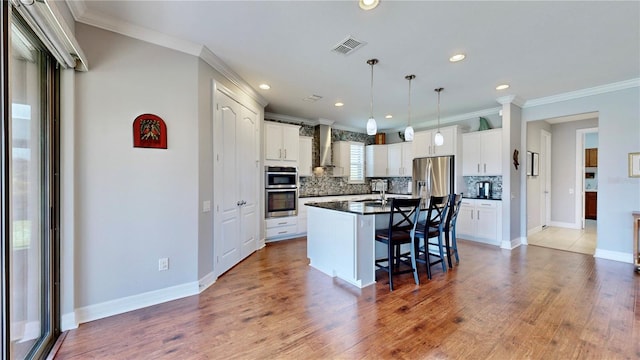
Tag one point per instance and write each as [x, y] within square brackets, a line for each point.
[540, 48]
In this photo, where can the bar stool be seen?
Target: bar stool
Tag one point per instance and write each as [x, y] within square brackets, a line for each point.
[430, 231]
[455, 200]
[403, 215]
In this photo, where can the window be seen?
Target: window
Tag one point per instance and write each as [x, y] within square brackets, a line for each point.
[30, 211]
[356, 162]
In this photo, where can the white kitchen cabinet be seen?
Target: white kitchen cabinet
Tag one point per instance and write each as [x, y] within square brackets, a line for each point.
[400, 159]
[480, 220]
[305, 156]
[281, 228]
[281, 144]
[482, 153]
[376, 160]
[424, 143]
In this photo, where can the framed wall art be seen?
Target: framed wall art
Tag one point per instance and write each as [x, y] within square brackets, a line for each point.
[634, 164]
[529, 162]
[149, 131]
[534, 164]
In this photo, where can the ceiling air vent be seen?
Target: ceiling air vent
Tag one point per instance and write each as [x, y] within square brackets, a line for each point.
[348, 45]
[312, 98]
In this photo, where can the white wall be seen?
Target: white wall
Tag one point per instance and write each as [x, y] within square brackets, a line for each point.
[134, 205]
[618, 135]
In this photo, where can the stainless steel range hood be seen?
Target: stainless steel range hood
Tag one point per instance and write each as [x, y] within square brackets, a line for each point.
[325, 146]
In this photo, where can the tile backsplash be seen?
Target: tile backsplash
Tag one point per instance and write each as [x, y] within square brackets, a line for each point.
[332, 185]
[496, 185]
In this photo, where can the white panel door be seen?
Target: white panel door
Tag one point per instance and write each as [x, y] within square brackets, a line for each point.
[273, 141]
[471, 156]
[229, 252]
[486, 219]
[491, 149]
[290, 143]
[246, 140]
[394, 159]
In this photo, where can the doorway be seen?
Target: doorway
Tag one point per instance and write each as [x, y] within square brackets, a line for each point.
[556, 197]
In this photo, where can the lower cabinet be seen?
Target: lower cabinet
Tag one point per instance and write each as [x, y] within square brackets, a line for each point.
[281, 228]
[480, 220]
[591, 205]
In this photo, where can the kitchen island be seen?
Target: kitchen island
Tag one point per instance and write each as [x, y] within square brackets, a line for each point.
[340, 238]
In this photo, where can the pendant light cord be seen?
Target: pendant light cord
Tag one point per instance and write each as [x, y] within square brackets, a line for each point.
[438, 90]
[410, 78]
[371, 103]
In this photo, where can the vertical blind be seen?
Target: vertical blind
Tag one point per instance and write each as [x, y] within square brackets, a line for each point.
[356, 168]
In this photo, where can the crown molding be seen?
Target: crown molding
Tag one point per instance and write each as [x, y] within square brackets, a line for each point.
[596, 90]
[82, 14]
[511, 99]
[290, 119]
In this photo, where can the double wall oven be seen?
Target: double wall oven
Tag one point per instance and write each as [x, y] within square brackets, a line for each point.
[281, 191]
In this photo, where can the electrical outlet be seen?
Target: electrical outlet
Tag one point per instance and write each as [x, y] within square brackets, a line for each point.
[163, 264]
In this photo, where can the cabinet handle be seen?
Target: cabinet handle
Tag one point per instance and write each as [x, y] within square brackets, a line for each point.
[471, 214]
[282, 232]
[285, 154]
[485, 168]
[282, 223]
[279, 153]
[478, 214]
[478, 167]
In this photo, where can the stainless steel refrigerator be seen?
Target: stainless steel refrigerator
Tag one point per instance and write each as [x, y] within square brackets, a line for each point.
[433, 176]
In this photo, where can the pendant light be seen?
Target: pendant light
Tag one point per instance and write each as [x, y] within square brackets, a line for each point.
[408, 132]
[438, 139]
[372, 127]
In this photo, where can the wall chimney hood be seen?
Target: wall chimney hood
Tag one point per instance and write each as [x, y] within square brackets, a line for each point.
[325, 143]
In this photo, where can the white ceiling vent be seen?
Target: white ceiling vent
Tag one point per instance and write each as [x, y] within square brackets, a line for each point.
[348, 45]
[312, 98]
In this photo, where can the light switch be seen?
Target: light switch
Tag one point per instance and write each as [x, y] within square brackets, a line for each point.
[206, 206]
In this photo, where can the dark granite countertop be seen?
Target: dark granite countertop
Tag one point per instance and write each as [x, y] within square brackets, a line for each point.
[368, 207]
[328, 195]
[479, 198]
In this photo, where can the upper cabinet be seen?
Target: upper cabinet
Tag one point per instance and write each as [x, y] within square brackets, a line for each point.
[591, 157]
[281, 144]
[376, 160]
[424, 144]
[482, 153]
[400, 159]
[305, 156]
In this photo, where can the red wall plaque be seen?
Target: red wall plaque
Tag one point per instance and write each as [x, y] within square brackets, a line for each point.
[149, 131]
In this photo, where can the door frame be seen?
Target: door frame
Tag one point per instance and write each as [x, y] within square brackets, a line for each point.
[580, 168]
[545, 200]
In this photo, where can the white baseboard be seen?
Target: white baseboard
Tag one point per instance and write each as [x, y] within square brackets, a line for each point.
[122, 305]
[514, 243]
[68, 321]
[614, 255]
[206, 281]
[534, 230]
[566, 225]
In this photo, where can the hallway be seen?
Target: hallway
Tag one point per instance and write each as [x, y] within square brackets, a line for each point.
[580, 241]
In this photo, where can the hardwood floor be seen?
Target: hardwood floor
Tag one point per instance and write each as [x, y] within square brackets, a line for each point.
[528, 303]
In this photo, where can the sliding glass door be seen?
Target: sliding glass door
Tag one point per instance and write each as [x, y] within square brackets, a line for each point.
[29, 194]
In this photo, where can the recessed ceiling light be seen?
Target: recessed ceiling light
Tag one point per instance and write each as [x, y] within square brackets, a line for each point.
[338, 104]
[264, 86]
[368, 4]
[388, 116]
[457, 57]
[502, 86]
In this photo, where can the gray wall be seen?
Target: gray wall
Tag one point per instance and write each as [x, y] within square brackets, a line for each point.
[533, 144]
[618, 135]
[563, 169]
[134, 205]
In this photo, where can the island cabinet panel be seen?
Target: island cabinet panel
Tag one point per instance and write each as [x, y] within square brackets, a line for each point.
[340, 244]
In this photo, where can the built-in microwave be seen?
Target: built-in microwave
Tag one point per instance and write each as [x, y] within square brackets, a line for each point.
[280, 177]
